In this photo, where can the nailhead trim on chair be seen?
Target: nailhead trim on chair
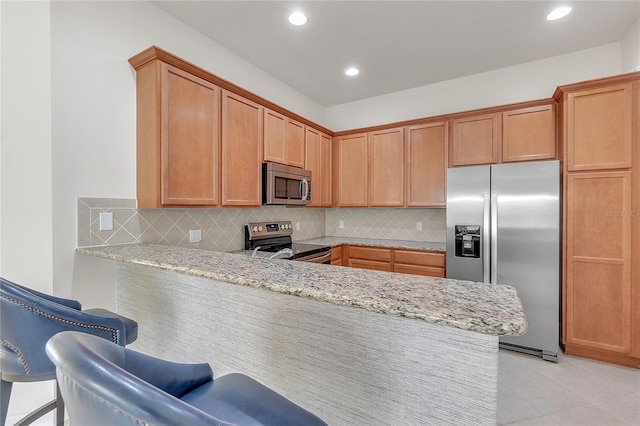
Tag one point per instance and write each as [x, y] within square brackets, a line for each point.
[113, 331]
[25, 365]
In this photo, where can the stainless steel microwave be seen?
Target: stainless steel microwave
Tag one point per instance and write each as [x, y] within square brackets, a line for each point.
[285, 185]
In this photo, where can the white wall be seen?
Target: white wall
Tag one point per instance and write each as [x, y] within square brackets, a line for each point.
[26, 244]
[25, 164]
[524, 82]
[631, 49]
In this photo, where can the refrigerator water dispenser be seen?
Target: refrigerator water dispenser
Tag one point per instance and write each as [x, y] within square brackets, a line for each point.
[467, 241]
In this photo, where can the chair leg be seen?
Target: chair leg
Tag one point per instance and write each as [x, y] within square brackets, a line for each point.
[5, 394]
[59, 406]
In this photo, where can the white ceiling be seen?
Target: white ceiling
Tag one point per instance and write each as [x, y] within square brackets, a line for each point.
[397, 44]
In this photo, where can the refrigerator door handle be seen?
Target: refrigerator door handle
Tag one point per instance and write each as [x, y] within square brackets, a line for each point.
[486, 267]
[494, 239]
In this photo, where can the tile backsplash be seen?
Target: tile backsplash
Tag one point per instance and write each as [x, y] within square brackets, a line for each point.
[389, 224]
[223, 229]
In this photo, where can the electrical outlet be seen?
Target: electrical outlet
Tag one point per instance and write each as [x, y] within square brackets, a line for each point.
[195, 236]
[341, 224]
[297, 226]
[106, 221]
[419, 226]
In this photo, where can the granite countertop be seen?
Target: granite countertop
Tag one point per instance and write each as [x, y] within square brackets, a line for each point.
[374, 242]
[483, 308]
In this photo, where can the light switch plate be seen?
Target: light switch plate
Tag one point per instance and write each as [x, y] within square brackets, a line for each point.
[106, 221]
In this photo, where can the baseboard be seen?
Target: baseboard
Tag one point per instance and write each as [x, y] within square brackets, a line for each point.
[600, 355]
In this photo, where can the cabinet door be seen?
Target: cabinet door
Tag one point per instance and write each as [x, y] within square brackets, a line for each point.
[386, 171]
[295, 143]
[529, 134]
[275, 129]
[241, 151]
[325, 170]
[336, 255]
[475, 140]
[426, 162]
[352, 187]
[599, 128]
[312, 163]
[598, 260]
[189, 139]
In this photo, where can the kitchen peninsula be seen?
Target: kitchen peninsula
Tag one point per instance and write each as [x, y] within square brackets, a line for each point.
[354, 346]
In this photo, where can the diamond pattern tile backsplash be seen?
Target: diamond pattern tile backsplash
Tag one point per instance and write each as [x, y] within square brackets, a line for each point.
[389, 224]
[223, 229]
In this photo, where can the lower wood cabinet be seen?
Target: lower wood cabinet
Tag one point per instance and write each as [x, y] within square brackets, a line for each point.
[376, 258]
[415, 262]
[419, 263]
[598, 285]
[336, 255]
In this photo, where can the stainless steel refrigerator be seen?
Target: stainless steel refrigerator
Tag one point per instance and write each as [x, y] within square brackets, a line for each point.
[503, 226]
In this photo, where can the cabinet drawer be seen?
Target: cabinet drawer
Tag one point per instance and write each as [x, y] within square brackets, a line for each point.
[370, 264]
[430, 271]
[420, 258]
[369, 253]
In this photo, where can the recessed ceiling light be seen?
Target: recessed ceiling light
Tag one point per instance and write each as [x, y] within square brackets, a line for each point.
[558, 13]
[297, 18]
[352, 71]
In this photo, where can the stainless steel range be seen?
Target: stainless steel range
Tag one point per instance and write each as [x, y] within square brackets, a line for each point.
[275, 237]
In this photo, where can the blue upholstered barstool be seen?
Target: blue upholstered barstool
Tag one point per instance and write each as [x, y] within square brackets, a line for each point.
[119, 386]
[28, 319]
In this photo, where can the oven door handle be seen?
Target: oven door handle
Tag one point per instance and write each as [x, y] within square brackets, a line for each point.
[314, 258]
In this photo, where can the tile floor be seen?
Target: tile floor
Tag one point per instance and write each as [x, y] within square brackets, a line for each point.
[575, 391]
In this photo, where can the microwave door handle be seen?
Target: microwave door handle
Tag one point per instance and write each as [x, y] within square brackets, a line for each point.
[305, 195]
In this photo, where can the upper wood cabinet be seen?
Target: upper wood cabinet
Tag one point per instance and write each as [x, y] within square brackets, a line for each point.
[525, 133]
[426, 164]
[295, 143]
[351, 171]
[475, 140]
[529, 134]
[326, 146]
[275, 143]
[386, 168]
[177, 138]
[283, 139]
[599, 128]
[318, 161]
[241, 151]
[201, 139]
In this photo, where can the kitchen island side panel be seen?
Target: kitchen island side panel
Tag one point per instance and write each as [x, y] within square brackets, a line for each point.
[348, 365]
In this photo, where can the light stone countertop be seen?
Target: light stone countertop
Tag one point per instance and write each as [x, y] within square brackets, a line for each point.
[483, 308]
[374, 242]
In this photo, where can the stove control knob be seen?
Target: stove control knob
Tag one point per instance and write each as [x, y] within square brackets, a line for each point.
[260, 228]
[281, 226]
[255, 229]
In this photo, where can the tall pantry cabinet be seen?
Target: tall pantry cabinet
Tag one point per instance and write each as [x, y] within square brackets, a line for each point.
[600, 134]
